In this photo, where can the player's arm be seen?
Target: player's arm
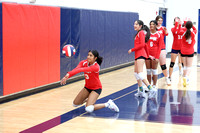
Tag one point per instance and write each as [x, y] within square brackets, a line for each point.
[159, 47]
[194, 30]
[142, 42]
[165, 31]
[93, 68]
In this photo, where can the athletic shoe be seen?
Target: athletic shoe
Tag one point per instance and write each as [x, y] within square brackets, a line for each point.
[152, 93]
[112, 106]
[168, 81]
[184, 81]
[140, 94]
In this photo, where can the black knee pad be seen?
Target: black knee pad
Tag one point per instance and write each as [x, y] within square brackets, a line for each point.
[163, 67]
[182, 65]
[172, 64]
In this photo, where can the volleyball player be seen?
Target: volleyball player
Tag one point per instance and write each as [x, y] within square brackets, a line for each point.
[176, 47]
[187, 49]
[140, 56]
[154, 48]
[163, 31]
[93, 87]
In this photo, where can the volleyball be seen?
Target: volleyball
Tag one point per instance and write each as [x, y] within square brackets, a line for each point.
[68, 50]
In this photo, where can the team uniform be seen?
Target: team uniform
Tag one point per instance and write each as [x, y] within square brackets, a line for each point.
[154, 44]
[91, 74]
[187, 48]
[140, 46]
[162, 33]
[176, 46]
[141, 53]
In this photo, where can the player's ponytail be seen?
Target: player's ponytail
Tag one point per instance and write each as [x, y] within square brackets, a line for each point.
[96, 54]
[188, 25]
[145, 28]
[147, 35]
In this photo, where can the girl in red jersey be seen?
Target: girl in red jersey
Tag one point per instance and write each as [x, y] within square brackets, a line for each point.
[140, 56]
[163, 31]
[176, 47]
[93, 87]
[187, 49]
[154, 48]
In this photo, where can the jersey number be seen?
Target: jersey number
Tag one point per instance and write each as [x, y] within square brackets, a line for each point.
[151, 44]
[86, 76]
[189, 41]
[179, 37]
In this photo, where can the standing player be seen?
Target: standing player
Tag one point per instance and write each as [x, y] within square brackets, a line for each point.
[176, 47]
[93, 87]
[140, 56]
[187, 49]
[154, 47]
[163, 31]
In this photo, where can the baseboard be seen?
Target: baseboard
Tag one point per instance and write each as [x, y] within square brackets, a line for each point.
[54, 85]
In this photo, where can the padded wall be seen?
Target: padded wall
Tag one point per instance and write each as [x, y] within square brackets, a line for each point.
[1, 54]
[69, 34]
[111, 33]
[31, 46]
[32, 38]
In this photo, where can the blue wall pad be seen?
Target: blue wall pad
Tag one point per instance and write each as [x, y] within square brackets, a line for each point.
[110, 33]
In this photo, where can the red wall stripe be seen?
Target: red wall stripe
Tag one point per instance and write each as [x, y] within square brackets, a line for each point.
[31, 46]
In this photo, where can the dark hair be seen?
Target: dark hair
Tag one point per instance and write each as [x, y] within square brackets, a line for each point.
[154, 21]
[145, 28]
[158, 17]
[175, 19]
[188, 26]
[96, 54]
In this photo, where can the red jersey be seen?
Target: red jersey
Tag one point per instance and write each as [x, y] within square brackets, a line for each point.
[140, 45]
[177, 38]
[154, 44]
[187, 47]
[91, 74]
[162, 32]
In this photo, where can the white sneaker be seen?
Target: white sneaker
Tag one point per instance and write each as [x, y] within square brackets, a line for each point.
[168, 81]
[112, 106]
[140, 93]
[152, 93]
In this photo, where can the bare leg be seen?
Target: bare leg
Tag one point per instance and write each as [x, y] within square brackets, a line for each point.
[173, 59]
[81, 97]
[136, 70]
[189, 61]
[154, 67]
[179, 62]
[140, 64]
[92, 100]
[162, 61]
[148, 66]
[184, 64]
